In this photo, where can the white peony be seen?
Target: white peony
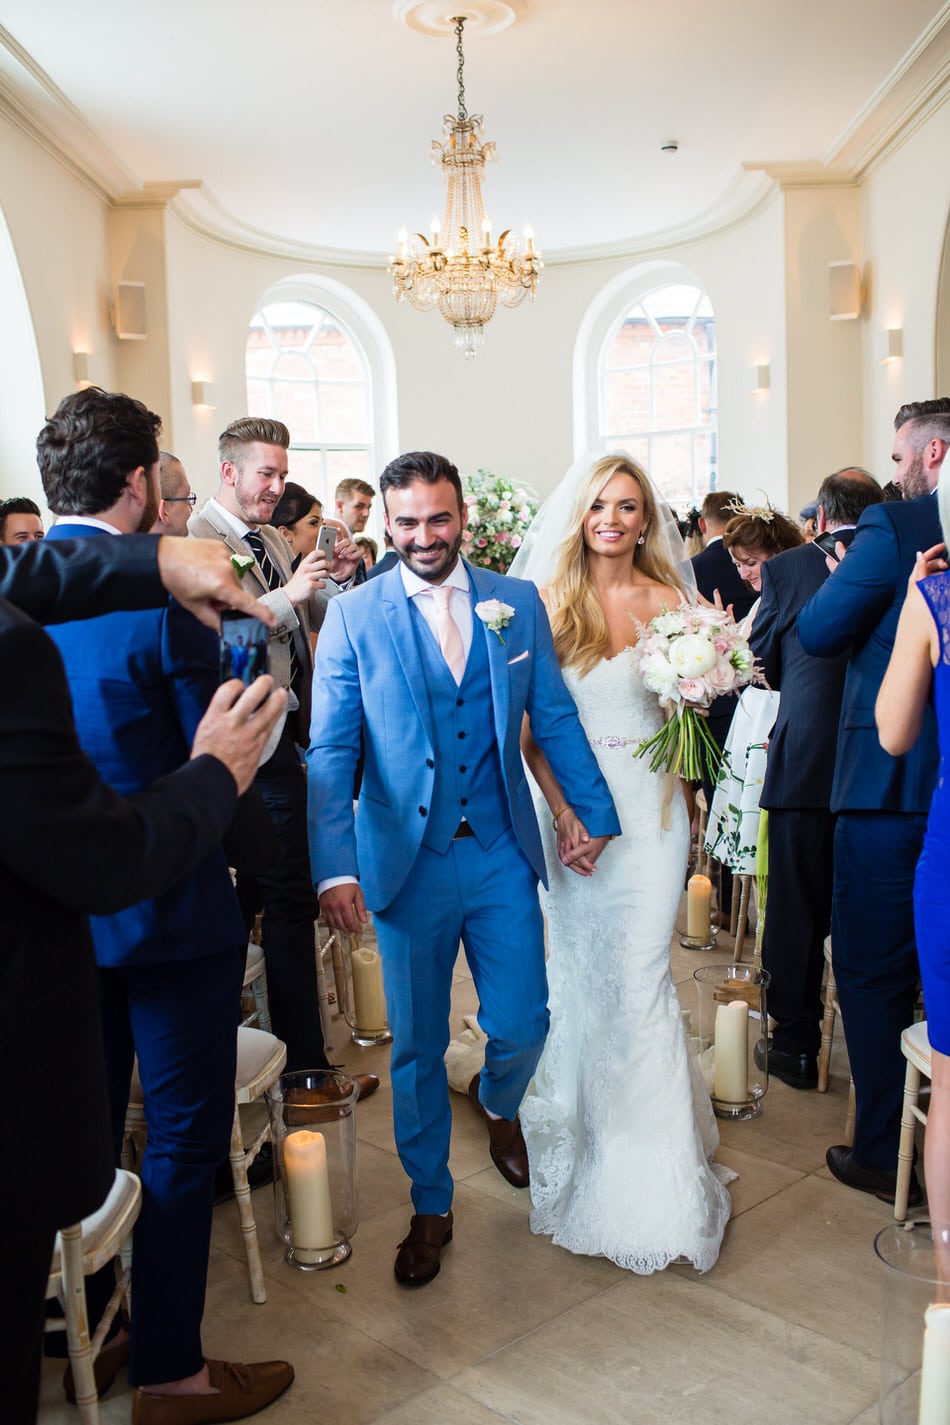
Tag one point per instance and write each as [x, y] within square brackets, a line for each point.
[692, 655]
[658, 676]
[669, 623]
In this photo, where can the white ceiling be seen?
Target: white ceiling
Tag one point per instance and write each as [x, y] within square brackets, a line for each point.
[308, 122]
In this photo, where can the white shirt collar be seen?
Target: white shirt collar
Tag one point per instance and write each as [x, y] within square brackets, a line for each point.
[240, 527]
[89, 520]
[413, 585]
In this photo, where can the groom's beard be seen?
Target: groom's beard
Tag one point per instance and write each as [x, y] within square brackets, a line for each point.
[433, 570]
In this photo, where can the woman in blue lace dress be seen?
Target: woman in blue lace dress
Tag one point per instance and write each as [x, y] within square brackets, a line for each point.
[920, 664]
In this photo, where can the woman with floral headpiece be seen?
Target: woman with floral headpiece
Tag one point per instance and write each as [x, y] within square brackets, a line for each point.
[753, 536]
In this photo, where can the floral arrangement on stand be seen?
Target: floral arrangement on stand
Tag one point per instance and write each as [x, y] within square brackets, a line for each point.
[498, 516]
[690, 656]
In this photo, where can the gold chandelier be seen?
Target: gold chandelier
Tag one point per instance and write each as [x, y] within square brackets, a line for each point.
[458, 268]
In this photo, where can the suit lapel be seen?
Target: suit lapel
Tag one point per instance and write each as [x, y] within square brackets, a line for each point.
[236, 546]
[483, 586]
[398, 616]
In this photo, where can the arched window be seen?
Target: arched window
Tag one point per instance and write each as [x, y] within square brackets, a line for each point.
[318, 360]
[645, 379]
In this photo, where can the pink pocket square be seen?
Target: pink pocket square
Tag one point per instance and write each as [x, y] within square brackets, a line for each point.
[520, 658]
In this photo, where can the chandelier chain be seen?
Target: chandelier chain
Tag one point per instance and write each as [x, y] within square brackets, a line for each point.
[459, 73]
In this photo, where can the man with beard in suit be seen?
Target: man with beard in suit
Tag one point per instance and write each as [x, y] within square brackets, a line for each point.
[881, 801]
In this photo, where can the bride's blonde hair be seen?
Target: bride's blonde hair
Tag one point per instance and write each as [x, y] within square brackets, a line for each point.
[581, 636]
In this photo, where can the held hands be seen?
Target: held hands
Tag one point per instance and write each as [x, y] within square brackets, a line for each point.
[238, 723]
[576, 848]
[200, 575]
[309, 576]
[343, 907]
[931, 561]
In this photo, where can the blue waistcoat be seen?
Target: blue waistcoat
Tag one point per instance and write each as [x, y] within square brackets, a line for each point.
[468, 780]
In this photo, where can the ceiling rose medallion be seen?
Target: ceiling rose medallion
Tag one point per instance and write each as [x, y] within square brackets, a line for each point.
[458, 268]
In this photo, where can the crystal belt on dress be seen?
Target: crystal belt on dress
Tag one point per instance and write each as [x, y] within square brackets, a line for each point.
[610, 741]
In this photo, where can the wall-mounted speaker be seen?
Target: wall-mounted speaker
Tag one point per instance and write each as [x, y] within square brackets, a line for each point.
[129, 311]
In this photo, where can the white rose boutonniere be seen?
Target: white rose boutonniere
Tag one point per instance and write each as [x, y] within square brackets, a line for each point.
[495, 615]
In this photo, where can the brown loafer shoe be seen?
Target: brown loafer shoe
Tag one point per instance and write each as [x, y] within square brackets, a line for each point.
[367, 1085]
[110, 1360]
[506, 1142]
[417, 1260]
[241, 1391]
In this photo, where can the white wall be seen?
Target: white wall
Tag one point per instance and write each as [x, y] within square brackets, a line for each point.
[511, 408]
[905, 203]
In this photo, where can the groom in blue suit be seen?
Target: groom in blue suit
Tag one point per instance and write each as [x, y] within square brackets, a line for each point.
[433, 667]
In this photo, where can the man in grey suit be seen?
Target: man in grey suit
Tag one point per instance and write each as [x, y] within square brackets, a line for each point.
[797, 787]
[253, 455]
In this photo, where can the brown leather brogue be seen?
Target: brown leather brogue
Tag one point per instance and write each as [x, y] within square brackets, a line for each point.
[506, 1142]
[418, 1258]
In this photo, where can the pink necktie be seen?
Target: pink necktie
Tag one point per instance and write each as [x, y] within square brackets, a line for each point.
[450, 640]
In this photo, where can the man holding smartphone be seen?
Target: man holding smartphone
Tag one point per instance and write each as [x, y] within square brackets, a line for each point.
[797, 787]
[254, 469]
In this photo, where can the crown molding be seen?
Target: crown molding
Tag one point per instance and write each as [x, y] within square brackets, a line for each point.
[914, 89]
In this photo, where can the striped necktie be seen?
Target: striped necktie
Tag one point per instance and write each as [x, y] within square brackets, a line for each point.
[274, 580]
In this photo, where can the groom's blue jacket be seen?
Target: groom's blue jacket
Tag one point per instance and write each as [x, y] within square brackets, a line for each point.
[370, 686]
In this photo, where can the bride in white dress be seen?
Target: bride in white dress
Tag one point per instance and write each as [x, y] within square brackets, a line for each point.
[617, 1121]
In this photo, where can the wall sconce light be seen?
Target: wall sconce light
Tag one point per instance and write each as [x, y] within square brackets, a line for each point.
[889, 345]
[760, 378]
[202, 394]
[844, 291]
[81, 370]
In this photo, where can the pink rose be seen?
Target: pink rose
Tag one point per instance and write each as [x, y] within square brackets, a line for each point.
[481, 543]
[515, 541]
[722, 678]
[693, 690]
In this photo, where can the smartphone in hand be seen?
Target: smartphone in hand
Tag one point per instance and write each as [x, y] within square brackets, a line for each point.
[243, 647]
[326, 541]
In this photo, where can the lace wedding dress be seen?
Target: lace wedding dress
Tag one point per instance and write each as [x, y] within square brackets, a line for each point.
[618, 1122]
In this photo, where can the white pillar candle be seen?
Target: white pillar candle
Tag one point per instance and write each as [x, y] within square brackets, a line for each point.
[732, 1040]
[369, 1000]
[698, 902]
[935, 1367]
[308, 1194]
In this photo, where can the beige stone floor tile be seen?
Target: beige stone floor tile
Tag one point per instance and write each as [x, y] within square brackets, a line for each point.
[795, 1128]
[443, 1405]
[666, 1349]
[758, 1180]
[497, 1281]
[808, 1254]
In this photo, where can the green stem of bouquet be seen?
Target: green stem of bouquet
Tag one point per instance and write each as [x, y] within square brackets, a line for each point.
[679, 745]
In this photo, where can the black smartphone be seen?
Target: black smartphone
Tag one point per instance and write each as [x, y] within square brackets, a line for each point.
[827, 541]
[244, 647]
[326, 541]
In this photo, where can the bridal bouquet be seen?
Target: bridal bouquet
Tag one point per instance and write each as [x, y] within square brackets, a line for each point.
[689, 656]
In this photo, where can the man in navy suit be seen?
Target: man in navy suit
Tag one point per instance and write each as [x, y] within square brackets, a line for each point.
[797, 786]
[169, 967]
[881, 801]
[432, 667]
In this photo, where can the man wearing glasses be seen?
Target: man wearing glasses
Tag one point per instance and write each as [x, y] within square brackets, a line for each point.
[177, 497]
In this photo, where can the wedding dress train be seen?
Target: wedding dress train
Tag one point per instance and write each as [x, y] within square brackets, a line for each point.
[617, 1120]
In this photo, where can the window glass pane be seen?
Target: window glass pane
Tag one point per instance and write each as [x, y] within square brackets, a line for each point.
[658, 390]
[303, 367]
[342, 412]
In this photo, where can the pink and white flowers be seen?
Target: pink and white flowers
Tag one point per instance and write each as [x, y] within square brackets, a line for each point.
[689, 656]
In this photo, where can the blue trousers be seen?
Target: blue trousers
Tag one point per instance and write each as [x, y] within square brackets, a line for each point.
[875, 962]
[488, 900]
[181, 1018]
